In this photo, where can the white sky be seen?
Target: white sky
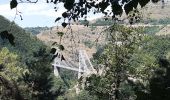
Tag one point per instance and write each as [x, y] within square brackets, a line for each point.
[39, 14]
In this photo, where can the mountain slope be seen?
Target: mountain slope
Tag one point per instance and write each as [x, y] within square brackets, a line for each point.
[25, 43]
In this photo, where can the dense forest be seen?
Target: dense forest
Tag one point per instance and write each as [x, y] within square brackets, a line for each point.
[132, 63]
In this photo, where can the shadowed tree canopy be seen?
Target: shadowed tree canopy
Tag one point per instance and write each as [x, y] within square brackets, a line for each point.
[79, 8]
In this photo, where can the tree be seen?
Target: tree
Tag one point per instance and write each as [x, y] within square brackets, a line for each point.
[116, 57]
[40, 78]
[159, 83]
[158, 87]
[11, 80]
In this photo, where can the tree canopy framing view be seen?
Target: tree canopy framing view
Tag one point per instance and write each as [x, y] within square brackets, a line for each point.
[130, 60]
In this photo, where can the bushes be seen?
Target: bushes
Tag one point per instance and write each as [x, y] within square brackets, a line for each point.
[88, 43]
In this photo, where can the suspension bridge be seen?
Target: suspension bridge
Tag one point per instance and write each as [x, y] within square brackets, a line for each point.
[84, 68]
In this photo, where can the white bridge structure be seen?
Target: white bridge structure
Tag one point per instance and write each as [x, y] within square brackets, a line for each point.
[84, 68]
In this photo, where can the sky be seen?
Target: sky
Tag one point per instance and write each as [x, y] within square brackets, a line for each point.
[39, 14]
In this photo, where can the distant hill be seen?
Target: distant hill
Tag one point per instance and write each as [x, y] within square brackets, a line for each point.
[77, 38]
[153, 13]
[36, 30]
[157, 11]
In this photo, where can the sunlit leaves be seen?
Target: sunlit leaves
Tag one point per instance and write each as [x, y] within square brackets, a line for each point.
[13, 4]
[11, 65]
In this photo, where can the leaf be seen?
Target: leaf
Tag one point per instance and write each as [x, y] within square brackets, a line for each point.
[103, 5]
[134, 3]
[128, 7]
[61, 47]
[13, 4]
[57, 19]
[62, 58]
[54, 43]
[60, 34]
[69, 4]
[116, 8]
[143, 2]
[155, 1]
[64, 24]
[65, 14]
[53, 50]
[54, 56]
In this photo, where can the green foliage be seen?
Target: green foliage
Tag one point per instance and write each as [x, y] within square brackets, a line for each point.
[9, 60]
[116, 56]
[164, 21]
[159, 83]
[84, 95]
[88, 43]
[156, 45]
[141, 64]
[130, 66]
[103, 22]
[92, 28]
[84, 22]
[152, 30]
[40, 77]
[25, 44]
[61, 47]
[11, 72]
[36, 80]
[60, 34]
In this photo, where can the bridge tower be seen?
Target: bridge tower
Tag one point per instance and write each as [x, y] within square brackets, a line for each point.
[84, 68]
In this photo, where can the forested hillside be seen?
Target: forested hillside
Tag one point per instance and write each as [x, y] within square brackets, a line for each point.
[26, 68]
[25, 43]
